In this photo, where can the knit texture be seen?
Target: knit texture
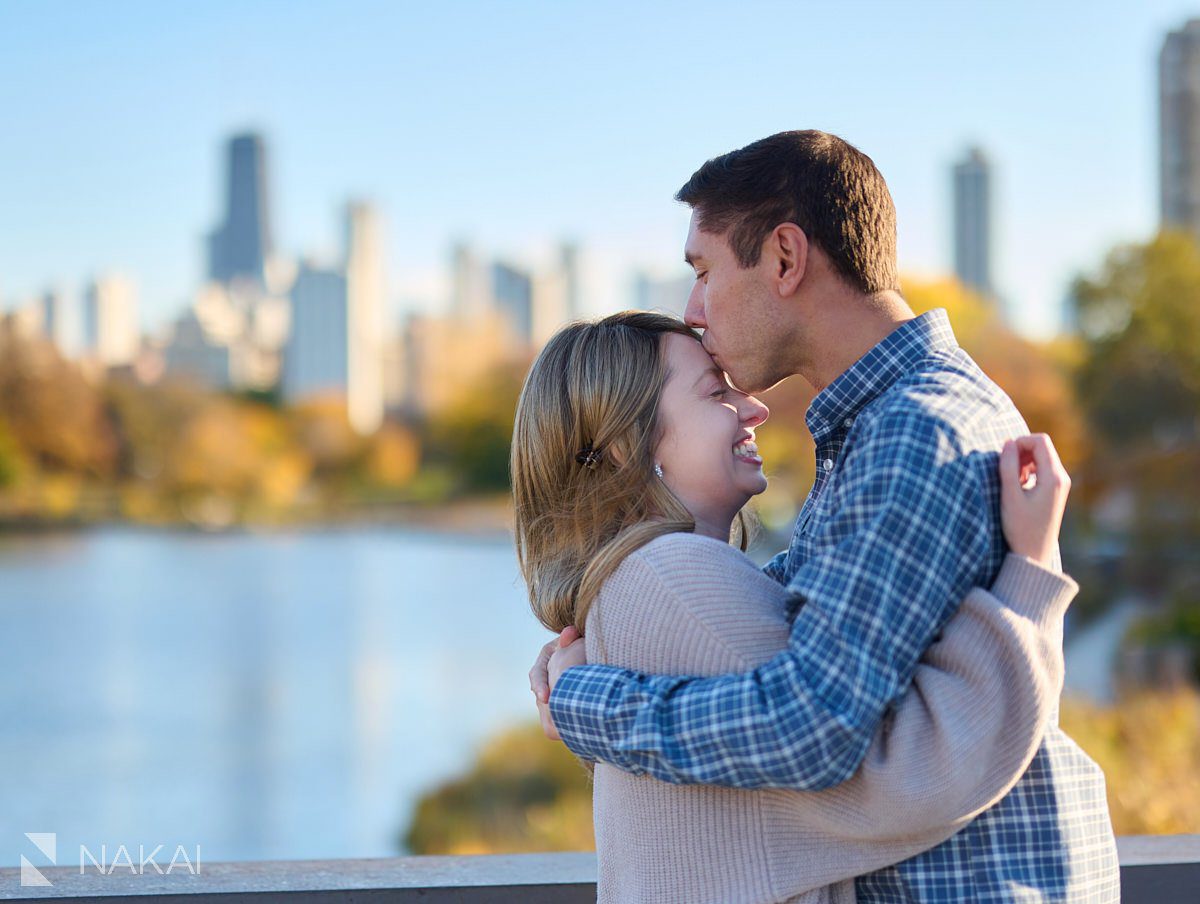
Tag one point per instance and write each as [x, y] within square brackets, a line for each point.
[955, 744]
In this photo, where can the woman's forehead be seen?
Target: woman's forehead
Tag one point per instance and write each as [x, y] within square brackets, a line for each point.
[686, 358]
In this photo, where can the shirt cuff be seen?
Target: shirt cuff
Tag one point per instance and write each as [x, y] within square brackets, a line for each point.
[1034, 591]
[580, 707]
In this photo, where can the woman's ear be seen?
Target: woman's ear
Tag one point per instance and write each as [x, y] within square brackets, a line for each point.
[788, 247]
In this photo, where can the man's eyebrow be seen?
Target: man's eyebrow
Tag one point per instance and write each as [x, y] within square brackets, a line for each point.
[690, 259]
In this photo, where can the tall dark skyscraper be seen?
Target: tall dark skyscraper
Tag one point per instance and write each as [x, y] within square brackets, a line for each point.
[238, 248]
[973, 222]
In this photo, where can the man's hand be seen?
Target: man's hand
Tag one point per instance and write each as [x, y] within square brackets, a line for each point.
[555, 657]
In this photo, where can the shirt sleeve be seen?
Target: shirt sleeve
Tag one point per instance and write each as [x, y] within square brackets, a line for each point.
[966, 730]
[909, 532]
[774, 569]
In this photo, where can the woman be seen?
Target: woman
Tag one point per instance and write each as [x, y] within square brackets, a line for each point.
[632, 459]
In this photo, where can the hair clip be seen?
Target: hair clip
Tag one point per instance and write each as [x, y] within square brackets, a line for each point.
[588, 457]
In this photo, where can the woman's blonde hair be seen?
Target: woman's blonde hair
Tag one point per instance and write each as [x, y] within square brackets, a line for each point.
[583, 478]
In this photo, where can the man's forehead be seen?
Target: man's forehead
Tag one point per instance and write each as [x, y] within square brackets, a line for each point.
[700, 244]
[695, 247]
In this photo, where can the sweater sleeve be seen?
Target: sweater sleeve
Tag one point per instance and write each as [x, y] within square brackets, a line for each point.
[969, 725]
[956, 742]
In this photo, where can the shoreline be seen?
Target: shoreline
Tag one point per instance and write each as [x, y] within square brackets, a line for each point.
[486, 518]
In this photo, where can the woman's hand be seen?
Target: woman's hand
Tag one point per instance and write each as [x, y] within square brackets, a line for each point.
[1033, 496]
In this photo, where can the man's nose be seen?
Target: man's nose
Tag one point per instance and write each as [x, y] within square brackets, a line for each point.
[693, 313]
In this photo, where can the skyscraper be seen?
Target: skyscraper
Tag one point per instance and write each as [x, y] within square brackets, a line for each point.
[240, 246]
[364, 311]
[973, 222]
[316, 359]
[512, 293]
[60, 321]
[193, 354]
[667, 295]
[1179, 128]
[568, 257]
[336, 344]
[110, 320]
[470, 292]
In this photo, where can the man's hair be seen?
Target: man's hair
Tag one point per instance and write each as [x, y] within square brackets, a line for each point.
[818, 181]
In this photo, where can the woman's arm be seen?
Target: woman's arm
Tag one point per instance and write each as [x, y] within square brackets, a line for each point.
[954, 744]
[969, 725]
[974, 716]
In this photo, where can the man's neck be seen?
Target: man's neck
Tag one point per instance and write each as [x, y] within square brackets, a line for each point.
[847, 329]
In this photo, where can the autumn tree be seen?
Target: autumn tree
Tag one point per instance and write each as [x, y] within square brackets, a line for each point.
[523, 793]
[1139, 384]
[51, 412]
[471, 436]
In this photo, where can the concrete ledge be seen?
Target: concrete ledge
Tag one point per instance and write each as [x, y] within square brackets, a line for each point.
[535, 878]
[1159, 869]
[1154, 870]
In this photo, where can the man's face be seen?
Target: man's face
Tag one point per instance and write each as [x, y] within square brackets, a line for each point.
[735, 308]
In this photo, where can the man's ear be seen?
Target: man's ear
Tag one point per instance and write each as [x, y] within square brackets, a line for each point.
[788, 246]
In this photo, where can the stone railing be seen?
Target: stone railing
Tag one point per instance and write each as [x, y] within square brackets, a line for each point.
[1154, 870]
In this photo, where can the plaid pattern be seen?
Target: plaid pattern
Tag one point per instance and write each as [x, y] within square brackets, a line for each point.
[902, 520]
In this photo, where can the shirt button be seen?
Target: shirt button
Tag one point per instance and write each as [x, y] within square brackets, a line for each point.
[849, 422]
[828, 464]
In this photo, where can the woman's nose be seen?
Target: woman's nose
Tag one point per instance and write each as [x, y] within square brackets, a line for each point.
[752, 412]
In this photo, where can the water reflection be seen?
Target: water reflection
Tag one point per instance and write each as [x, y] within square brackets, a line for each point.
[277, 696]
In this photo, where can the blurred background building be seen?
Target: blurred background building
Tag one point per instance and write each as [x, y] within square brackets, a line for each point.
[111, 334]
[1179, 127]
[238, 249]
[972, 177]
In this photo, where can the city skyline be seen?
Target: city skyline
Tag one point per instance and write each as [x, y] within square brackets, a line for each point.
[306, 329]
[582, 129]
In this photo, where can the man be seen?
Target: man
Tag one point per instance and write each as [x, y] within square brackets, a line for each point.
[793, 242]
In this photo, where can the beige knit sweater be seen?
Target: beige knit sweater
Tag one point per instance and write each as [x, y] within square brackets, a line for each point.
[963, 734]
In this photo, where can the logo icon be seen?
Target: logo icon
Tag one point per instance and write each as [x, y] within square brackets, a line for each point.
[47, 843]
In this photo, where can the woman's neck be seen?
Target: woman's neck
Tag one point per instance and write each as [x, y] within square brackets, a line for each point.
[717, 528]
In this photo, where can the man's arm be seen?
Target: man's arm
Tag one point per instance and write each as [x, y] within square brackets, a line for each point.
[909, 533]
[775, 568]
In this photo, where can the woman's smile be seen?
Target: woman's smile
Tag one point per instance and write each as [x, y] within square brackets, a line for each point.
[746, 450]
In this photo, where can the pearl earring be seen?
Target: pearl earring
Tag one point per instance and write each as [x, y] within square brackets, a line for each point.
[658, 470]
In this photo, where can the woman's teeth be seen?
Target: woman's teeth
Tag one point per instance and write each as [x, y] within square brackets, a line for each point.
[747, 449]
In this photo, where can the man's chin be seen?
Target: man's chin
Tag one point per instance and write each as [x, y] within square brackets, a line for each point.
[750, 383]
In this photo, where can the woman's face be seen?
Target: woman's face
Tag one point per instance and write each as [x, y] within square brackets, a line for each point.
[707, 450]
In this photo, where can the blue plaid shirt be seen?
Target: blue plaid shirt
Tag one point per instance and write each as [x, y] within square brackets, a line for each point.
[902, 520]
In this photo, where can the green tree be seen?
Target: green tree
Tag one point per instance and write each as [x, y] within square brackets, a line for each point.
[471, 437]
[1139, 384]
[10, 457]
[524, 793]
[1140, 318]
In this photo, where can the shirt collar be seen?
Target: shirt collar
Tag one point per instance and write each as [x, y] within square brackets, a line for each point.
[879, 368]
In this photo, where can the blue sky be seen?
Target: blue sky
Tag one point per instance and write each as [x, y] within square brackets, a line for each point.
[513, 124]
